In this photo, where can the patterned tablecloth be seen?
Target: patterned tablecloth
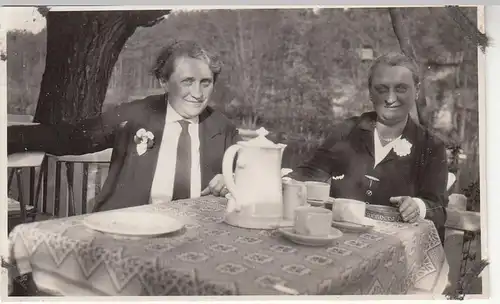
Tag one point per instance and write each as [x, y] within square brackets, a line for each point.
[209, 257]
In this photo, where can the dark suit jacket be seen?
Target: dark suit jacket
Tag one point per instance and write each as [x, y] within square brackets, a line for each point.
[349, 151]
[130, 175]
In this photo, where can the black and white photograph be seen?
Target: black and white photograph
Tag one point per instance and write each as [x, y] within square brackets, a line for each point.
[245, 152]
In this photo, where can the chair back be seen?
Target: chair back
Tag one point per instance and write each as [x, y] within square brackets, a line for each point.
[23, 166]
[85, 175]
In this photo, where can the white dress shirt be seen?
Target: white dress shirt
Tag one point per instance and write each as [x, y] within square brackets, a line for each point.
[381, 152]
[163, 181]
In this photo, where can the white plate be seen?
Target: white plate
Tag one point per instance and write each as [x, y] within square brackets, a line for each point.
[289, 233]
[133, 223]
[367, 225]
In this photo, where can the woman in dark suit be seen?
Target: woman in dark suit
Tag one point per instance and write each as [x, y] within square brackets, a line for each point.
[384, 157]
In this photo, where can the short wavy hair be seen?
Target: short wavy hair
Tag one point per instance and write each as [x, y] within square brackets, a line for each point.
[164, 65]
[396, 59]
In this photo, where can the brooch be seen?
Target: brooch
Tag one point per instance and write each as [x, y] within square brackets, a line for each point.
[338, 177]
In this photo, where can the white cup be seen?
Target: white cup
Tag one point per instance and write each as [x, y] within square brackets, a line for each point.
[317, 191]
[294, 196]
[312, 221]
[348, 210]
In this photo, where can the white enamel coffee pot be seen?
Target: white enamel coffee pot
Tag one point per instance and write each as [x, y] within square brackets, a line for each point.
[256, 185]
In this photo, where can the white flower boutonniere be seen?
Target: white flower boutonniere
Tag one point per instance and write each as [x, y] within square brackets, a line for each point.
[402, 147]
[144, 140]
[338, 177]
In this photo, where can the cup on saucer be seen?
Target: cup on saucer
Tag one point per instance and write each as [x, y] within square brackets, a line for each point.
[350, 213]
[317, 193]
[311, 221]
[312, 227]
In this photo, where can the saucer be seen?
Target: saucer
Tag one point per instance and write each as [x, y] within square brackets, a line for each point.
[353, 227]
[316, 203]
[289, 233]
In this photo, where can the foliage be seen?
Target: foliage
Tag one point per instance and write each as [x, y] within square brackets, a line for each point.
[26, 53]
[473, 194]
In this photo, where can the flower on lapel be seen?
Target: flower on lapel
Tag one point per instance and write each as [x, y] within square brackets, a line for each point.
[402, 147]
[144, 140]
[338, 177]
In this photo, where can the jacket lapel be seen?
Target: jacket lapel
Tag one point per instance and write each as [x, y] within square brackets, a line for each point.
[365, 139]
[209, 130]
[145, 164]
[366, 127]
[141, 168]
[410, 134]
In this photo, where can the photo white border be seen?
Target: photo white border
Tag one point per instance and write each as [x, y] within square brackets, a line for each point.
[488, 72]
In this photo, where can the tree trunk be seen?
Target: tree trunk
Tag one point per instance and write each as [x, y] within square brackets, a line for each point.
[82, 49]
[406, 46]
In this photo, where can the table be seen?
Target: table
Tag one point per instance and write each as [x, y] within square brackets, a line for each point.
[210, 257]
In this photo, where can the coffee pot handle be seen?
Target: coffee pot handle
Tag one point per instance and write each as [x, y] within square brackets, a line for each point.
[227, 170]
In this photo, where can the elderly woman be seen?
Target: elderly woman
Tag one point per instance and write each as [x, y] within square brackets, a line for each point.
[167, 146]
[384, 157]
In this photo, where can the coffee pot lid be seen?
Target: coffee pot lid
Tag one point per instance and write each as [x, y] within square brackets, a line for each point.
[260, 140]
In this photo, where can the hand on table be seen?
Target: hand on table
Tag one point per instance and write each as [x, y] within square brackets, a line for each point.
[216, 187]
[408, 207]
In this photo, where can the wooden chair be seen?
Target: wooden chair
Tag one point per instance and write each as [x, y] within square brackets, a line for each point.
[19, 211]
[463, 228]
[100, 159]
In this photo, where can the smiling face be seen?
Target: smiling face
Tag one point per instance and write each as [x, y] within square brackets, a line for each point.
[392, 92]
[189, 86]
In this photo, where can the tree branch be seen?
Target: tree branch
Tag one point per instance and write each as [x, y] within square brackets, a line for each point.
[43, 10]
[402, 33]
[406, 46]
[143, 18]
[147, 18]
[469, 29]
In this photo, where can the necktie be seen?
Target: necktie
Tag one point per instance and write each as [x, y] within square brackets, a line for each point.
[182, 180]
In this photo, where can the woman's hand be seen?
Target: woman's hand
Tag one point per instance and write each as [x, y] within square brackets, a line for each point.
[216, 187]
[408, 207]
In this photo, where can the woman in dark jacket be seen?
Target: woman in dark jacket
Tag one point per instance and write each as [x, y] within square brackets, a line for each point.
[384, 157]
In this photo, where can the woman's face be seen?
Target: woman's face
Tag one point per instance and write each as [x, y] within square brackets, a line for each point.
[392, 93]
[190, 86]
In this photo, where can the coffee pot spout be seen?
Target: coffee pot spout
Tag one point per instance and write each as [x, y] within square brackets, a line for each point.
[285, 171]
[282, 147]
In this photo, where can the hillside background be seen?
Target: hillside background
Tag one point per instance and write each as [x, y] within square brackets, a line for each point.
[295, 71]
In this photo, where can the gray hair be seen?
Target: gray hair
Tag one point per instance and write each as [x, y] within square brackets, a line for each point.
[164, 66]
[395, 59]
